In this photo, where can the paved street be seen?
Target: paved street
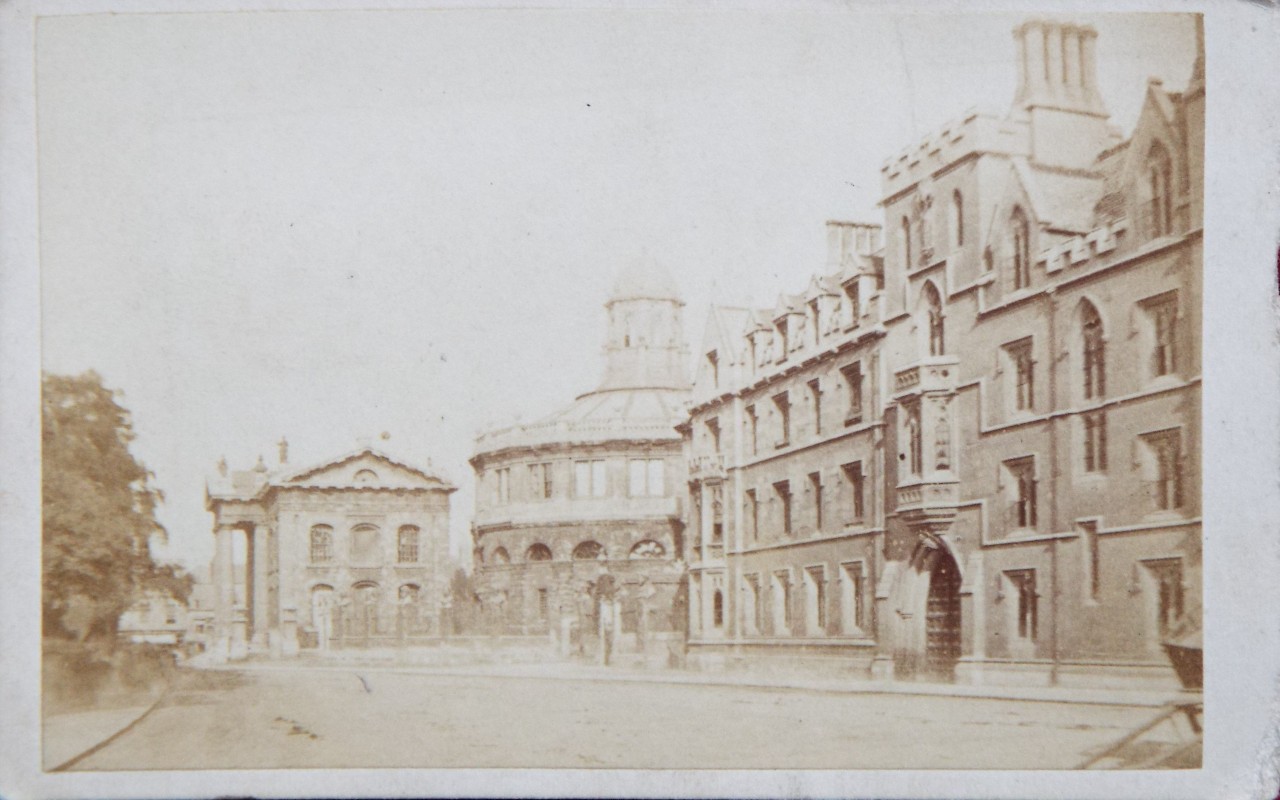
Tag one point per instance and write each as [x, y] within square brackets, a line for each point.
[377, 718]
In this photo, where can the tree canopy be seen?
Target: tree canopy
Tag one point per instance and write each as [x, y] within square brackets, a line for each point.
[99, 513]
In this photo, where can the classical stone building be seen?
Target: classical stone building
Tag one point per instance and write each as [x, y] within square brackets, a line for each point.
[973, 454]
[354, 551]
[593, 487]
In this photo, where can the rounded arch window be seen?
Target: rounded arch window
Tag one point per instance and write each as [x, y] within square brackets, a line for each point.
[538, 552]
[500, 556]
[321, 544]
[647, 548]
[407, 544]
[588, 550]
[364, 545]
[409, 593]
[364, 594]
[365, 477]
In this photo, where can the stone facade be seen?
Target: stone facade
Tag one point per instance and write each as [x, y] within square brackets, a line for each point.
[972, 452]
[592, 489]
[352, 551]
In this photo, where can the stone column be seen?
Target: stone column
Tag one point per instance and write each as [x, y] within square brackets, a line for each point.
[261, 563]
[239, 622]
[224, 592]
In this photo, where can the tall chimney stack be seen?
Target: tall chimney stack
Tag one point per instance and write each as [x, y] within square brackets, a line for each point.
[283, 444]
[1056, 67]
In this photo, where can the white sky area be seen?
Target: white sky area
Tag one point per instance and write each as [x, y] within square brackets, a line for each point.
[329, 225]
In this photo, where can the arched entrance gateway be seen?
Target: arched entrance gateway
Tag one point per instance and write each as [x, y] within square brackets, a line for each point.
[926, 599]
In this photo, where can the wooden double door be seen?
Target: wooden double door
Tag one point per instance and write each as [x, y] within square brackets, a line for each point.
[942, 619]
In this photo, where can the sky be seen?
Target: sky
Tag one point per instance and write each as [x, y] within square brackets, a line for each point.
[400, 227]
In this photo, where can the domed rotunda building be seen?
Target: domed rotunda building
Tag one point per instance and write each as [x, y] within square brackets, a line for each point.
[592, 489]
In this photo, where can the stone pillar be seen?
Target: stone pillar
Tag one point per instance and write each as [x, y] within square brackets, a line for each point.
[224, 592]
[239, 622]
[261, 563]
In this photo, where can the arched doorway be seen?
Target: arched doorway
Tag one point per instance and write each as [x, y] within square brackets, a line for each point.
[364, 609]
[942, 618]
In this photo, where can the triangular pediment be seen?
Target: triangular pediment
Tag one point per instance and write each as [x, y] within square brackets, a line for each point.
[365, 469]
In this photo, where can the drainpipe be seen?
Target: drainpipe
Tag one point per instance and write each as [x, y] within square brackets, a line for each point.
[1054, 474]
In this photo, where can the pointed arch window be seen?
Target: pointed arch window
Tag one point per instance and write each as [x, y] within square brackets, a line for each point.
[1020, 248]
[1094, 352]
[904, 234]
[1159, 183]
[957, 219]
[933, 312]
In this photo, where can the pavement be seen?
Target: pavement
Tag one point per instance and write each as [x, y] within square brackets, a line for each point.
[68, 736]
[265, 716]
[74, 736]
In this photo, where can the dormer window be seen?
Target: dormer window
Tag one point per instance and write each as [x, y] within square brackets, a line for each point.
[713, 367]
[815, 319]
[782, 403]
[854, 302]
[783, 344]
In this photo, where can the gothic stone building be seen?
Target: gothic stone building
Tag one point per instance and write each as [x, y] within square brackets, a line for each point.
[593, 487]
[974, 454]
[351, 551]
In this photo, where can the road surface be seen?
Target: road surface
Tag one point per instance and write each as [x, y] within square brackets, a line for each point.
[356, 717]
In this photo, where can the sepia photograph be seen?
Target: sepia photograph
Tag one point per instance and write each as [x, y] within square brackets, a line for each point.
[621, 389]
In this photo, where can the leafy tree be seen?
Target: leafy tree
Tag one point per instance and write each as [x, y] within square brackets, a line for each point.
[99, 513]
